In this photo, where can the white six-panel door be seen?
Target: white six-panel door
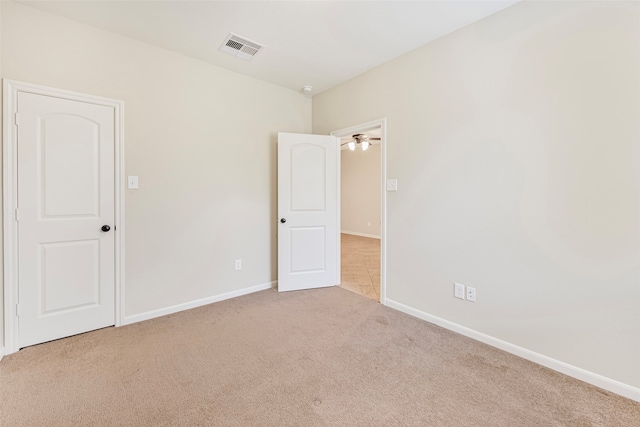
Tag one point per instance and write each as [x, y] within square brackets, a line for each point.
[65, 195]
[307, 211]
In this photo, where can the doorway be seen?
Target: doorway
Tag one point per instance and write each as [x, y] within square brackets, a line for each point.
[362, 209]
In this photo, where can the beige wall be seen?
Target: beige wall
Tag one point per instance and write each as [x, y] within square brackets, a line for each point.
[515, 142]
[201, 139]
[360, 191]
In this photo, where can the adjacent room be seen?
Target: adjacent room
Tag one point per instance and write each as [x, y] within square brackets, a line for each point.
[360, 208]
[320, 213]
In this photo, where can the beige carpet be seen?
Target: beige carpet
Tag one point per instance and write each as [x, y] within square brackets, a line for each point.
[311, 358]
[360, 265]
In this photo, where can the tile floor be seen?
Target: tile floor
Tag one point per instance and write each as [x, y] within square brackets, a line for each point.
[360, 265]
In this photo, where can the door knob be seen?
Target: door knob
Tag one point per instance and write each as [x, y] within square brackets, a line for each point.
[283, 220]
[105, 228]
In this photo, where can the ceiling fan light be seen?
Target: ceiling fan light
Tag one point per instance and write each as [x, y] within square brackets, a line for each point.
[365, 145]
[351, 145]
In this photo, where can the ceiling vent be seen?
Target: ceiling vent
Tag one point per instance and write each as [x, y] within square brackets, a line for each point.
[240, 47]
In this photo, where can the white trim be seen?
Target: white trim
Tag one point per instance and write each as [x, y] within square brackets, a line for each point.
[197, 303]
[120, 182]
[597, 380]
[1, 353]
[355, 233]
[9, 191]
[9, 167]
[382, 124]
[338, 212]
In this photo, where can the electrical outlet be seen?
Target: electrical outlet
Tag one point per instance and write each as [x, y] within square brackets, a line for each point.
[471, 294]
[238, 264]
[458, 291]
[368, 223]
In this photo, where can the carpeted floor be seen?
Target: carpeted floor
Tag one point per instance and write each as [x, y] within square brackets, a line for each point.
[360, 265]
[323, 357]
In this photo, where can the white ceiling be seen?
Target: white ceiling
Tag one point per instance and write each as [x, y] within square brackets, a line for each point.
[317, 43]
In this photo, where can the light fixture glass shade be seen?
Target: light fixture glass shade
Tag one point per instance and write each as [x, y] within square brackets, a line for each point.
[365, 145]
[351, 145]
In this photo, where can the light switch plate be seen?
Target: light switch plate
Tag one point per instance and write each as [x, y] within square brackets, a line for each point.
[392, 184]
[132, 182]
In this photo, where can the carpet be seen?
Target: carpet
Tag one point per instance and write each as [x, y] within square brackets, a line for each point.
[324, 357]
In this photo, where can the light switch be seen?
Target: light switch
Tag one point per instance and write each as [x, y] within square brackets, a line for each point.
[392, 185]
[132, 182]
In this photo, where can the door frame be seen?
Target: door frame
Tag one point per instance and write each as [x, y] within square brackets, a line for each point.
[360, 128]
[10, 194]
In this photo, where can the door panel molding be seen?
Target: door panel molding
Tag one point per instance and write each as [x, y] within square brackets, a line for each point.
[11, 88]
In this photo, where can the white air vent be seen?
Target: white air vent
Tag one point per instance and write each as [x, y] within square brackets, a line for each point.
[240, 47]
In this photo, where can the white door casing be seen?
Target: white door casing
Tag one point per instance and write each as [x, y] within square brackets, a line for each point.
[308, 209]
[64, 185]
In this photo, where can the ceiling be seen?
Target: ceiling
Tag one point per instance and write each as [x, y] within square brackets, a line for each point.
[316, 43]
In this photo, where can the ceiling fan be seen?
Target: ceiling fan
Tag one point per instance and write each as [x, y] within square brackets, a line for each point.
[360, 139]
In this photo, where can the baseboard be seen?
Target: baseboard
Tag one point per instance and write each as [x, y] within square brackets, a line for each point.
[197, 303]
[355, 233]
[1, 352]
[597, 380]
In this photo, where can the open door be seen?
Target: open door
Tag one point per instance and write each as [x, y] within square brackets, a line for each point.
[308, 243]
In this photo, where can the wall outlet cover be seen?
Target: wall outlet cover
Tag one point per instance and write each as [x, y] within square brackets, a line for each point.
[471, 294]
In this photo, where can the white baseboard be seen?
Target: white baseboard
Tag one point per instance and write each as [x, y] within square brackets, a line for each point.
[355, 233]
[1, 352]
[614, 386]
[197, 303]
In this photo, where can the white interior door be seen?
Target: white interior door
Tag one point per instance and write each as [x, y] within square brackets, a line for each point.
[308, 243]
[65, 196]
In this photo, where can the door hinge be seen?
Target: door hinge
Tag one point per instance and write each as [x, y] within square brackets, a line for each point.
[17, 215]
[18, 310]
[17, 119]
